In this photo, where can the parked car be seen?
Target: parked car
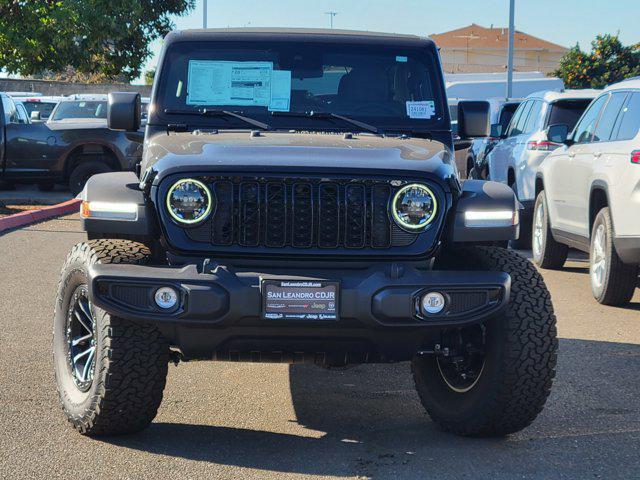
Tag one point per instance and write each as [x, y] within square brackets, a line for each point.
[273, 223]
[67, 151]
[588, 194]
[501, 112]
[39, 108]
[524, 145]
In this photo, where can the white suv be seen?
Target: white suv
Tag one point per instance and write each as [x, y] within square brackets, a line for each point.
[588, 194]
[524, 145]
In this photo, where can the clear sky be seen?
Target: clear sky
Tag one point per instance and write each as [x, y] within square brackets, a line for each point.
[564, 22]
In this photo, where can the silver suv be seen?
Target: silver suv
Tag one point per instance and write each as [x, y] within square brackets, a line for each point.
[588, 194]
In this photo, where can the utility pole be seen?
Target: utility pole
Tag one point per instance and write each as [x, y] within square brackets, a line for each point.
[204, 13]
[510, 54]
[331, 15]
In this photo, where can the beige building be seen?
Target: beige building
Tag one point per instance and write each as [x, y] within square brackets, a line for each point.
[476, 49]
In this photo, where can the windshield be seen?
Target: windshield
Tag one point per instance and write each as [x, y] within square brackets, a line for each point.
[81, 109]
[281, 83]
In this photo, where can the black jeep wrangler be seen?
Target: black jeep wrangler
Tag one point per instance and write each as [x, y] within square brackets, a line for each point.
[298, 202]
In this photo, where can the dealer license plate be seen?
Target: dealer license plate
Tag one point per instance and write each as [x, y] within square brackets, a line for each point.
[300, 300]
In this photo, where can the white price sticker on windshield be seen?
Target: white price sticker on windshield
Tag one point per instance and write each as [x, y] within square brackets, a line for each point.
[424, 109]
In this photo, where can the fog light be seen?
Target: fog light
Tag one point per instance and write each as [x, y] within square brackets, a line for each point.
[432, 303]
[166, 297]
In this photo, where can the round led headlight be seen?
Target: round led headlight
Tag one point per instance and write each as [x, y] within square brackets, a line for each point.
[189, 201]
[414, 207]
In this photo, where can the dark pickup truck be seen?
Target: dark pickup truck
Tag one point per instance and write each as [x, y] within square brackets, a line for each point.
[67, 152]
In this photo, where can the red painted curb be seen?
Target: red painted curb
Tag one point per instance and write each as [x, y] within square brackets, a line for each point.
[32, 216]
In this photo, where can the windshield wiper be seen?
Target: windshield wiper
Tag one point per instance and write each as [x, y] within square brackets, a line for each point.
[208, 112]
[330, 116]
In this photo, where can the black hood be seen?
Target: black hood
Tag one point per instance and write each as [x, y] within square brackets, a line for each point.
[273, 151]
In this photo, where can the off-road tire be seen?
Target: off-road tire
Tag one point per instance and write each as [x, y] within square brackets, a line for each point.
[83, 172]
[620, 278]
[552, 254]
[131, 358]
[521, 350]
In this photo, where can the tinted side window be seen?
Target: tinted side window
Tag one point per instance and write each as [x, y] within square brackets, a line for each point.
[534, 115]
[507, 114]
[630, 119]
[610, 114]
[566, 112]
[519, 122]
[587, 124]
[514, 119]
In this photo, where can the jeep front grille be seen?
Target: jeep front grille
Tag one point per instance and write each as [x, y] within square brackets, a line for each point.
[308, 213]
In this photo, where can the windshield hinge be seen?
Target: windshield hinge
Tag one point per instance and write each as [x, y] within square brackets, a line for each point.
[177, 127]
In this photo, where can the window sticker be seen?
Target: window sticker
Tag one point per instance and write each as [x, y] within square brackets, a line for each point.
[401, 59]
[280, 91]
[423, 109]
[229, 83]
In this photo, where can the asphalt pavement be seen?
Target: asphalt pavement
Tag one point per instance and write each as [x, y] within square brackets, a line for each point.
[263, 421]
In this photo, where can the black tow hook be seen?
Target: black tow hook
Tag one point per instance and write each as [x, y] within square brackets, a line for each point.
[437, 350]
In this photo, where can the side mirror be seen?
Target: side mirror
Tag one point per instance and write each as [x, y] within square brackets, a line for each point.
[496, 130]
[558, 133]
[35, 116]
[473, 119]
[123, 111]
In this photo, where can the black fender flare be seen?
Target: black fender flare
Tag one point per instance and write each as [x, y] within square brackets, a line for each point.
[118, 188]
[483, 195]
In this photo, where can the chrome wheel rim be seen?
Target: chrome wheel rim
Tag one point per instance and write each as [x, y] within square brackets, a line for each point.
[538, 232]
[598, 257]
[81, 339]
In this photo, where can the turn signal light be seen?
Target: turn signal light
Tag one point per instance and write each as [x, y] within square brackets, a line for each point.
[635, 157]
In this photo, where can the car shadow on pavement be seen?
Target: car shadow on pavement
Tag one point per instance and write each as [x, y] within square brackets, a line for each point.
[367, 422]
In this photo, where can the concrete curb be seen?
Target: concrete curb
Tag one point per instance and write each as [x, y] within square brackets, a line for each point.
[32, 216]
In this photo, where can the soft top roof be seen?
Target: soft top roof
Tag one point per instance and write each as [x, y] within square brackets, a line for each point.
[297, 35]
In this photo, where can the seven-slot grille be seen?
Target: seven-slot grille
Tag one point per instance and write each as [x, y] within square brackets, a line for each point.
[300, 213]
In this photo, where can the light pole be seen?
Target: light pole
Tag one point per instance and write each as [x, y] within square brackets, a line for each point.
[331, 14]
[204, 13]
[510, 54]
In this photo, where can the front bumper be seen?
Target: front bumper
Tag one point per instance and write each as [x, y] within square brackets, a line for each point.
[219, 313]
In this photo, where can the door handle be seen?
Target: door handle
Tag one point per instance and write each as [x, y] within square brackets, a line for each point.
[572, 154]
[597, 154]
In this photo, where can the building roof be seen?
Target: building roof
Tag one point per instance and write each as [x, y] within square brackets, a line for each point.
[478, 37]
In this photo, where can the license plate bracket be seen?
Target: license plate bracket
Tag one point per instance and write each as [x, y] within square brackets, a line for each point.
[312, 300]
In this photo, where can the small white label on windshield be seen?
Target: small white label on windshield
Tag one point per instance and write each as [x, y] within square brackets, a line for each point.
[424, 109]
[229, 83]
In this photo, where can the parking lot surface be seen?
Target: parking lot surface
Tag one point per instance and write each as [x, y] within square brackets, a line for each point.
[221, 420]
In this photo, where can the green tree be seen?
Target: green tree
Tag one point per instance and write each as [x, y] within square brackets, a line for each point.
[149, 75]
[608, 62]
[101, 38]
